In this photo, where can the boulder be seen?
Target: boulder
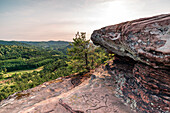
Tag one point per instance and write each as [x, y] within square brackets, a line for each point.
[145, 40]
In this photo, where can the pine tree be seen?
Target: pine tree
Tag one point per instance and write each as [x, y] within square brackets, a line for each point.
[79, 53]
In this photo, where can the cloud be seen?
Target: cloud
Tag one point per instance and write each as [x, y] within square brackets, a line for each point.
[61, 19]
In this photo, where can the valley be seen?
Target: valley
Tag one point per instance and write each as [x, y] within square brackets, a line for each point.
[24, 65]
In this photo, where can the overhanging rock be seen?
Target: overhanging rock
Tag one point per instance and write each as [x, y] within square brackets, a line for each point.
[142, 64]
[146, 40]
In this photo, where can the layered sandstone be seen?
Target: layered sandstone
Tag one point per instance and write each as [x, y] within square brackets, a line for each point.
[146, 89]
[142, 64]
[146, 40]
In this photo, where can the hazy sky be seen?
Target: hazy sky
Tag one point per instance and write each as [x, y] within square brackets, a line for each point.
[60, 19]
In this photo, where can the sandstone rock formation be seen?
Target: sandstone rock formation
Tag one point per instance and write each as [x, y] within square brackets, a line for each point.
[142, 64]
[146, 40]
[66, 95]
[146, 89]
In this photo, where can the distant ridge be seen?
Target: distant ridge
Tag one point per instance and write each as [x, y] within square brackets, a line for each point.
[40, 44]
[17, 43]
[48, 44]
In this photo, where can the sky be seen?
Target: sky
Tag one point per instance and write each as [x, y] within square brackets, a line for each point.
[44, 20]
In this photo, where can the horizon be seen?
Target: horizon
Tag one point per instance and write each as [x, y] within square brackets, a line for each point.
[35, 41]
[42, 20]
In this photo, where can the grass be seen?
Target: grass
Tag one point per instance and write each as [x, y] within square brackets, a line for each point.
[10, 74]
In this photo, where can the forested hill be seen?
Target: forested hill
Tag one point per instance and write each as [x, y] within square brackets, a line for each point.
[14, 57]
[48, 44]
[2, 42]
[19, 55]
[22, 64]
[43, 44]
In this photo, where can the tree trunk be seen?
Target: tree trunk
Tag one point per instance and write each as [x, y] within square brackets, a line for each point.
[86, 60]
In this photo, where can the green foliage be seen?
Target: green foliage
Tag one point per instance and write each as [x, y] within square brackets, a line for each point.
[98, 56]
[61, 46]
[50, 45]
[5, 71]
[20, 82]
[16, 43]
[55, 65]
[82, 56]
[79, 53]
[13, 57]
[1, 76]
[19, 58]
[40, 45]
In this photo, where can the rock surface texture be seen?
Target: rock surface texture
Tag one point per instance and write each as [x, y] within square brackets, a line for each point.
[146, 40]
[66, 95]
[142, 63]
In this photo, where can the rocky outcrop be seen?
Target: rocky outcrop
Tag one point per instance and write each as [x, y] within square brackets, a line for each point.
[146, 40]
[72, 94]
[142, 63]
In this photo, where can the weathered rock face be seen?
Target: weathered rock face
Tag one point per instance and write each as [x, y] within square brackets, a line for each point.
[146, 40]
[146, 89]
[142, 63]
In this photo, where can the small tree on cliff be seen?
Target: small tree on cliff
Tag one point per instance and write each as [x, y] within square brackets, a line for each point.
[79, 53]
